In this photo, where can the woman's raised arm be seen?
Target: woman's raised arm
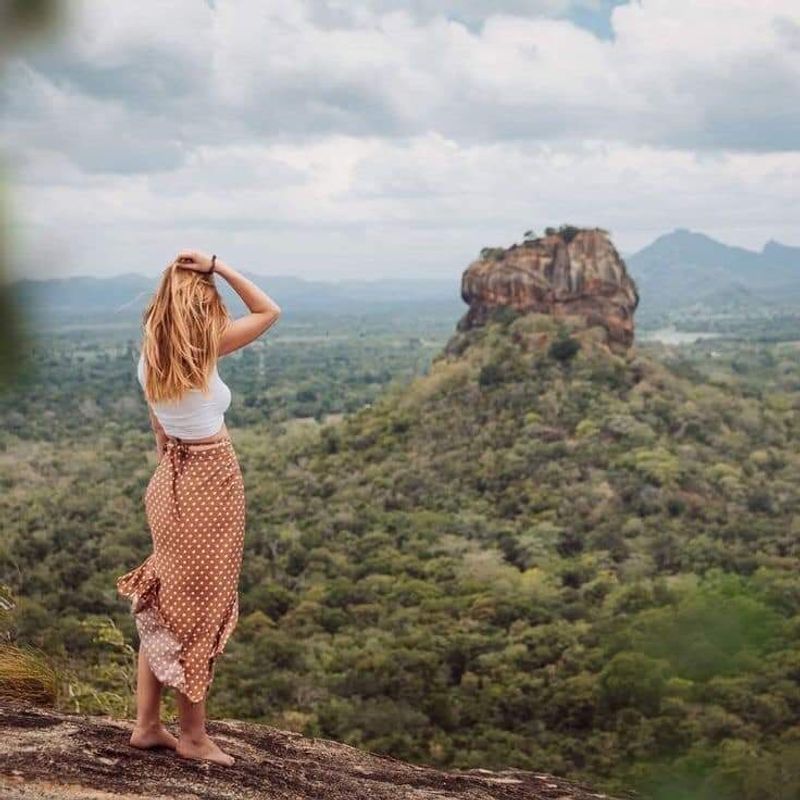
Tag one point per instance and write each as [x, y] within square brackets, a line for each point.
[264, 311]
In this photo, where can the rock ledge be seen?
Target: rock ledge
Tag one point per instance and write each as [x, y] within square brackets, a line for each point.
[46, 755]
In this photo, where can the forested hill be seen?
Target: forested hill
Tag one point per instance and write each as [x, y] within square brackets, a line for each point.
[540, 555]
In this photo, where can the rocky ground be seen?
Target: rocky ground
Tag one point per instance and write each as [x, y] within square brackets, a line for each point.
[46, 755]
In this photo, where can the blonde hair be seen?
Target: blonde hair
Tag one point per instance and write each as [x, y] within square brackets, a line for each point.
[183, 324]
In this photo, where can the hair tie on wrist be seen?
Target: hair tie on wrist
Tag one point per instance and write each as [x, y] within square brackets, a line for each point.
[213, 263]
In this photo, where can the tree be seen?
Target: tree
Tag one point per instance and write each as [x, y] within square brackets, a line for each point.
[633, 680]
[564, 347]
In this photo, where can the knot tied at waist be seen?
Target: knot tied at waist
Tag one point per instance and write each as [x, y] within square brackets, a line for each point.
[178, 452]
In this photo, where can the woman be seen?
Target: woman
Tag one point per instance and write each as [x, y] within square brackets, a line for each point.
[184, 596]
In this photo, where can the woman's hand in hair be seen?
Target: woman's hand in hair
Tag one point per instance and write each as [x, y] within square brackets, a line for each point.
[191, 259]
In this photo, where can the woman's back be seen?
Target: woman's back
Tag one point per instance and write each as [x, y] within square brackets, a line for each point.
[197, 414]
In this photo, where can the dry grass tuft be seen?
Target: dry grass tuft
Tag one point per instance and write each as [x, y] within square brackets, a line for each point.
[27, 676]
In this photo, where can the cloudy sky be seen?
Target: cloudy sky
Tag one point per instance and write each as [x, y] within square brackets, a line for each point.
[366, 138]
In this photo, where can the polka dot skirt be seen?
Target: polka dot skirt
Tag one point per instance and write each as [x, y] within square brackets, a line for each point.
[185, 597]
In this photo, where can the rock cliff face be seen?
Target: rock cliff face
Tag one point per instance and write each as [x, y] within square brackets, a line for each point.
[46, 755]
[571, 272]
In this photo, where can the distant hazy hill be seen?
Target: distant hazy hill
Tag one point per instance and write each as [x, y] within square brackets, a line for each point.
[685, 268]
[678, 270]
[122, 298]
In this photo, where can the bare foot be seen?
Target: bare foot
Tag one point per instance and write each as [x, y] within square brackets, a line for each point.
[147, 737]
[203, 748]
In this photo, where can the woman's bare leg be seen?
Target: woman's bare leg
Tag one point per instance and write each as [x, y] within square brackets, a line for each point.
[194, 742]
[149, 731]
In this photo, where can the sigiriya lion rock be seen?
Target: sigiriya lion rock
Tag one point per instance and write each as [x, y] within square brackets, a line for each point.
[567, 272]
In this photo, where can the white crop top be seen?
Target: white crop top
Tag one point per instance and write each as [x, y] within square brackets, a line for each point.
[196, 415]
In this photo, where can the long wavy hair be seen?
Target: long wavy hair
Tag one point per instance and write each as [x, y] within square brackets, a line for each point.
[182, 324]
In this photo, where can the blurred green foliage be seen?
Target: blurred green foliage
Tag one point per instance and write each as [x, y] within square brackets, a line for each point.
[21, 21]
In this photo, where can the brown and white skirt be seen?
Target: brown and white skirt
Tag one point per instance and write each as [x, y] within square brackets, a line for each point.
[185, 595]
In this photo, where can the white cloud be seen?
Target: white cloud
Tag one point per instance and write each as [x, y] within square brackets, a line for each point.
[355, 206]
[287, 128]
[718, 73]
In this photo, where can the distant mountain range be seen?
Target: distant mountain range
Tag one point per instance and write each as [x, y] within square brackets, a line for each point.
[685, 269]
[679, 271]
[122, 298]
